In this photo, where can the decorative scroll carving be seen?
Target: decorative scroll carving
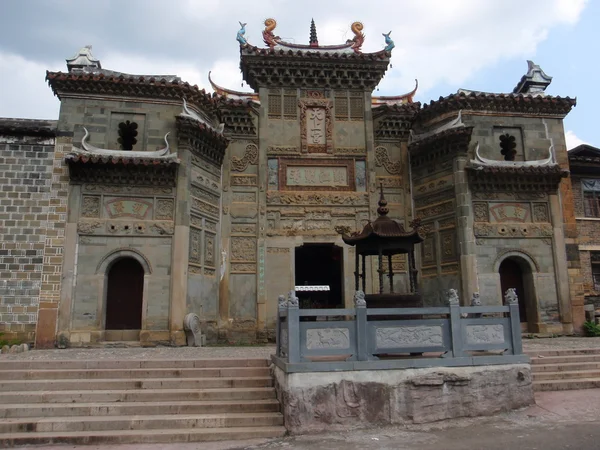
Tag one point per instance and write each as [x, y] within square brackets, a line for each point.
[243, 180]
[243, 228]
[389, 182]
[326, 338]
[211, 226]
[90, 206]
[243, 267]
[448, 244]
[195, 246]
[243, 249]
[447, 223]
[488, 195]
[417, 336]
[540, 212]
[382, 159]
[204, 207]
[209, 249]
[283, 150]
[250, 157]
[436, 210]
[209, 271]
[428, 251]
[164, 209]
[317, 198]
[278, 250]
[350, 151]
[399, 264]
[485, 334]
[480, 212]
[89, 226]
[135, 190]
[316, 125]
[161, 228]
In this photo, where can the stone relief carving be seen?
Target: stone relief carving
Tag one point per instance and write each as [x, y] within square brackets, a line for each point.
[489, 195]
[211, 226]
[273, 174]
[250, 157]
[202, 180]
[447, 223]
[480, 212]
[314, 198]
[436, 185]
[209, 249]
[433, 198]
[399, 264]
[243, 228]
[90, 206]
[350, 151]
[327, 338]
[89, 226]
[118, 207]
[164, 209]
[161, 228]
[243, 267]
[283, 150]
[417, 336]
[428, 272]
[243, 197]
[196, 221]
[448, 246]
[243, 249]
[196, 270]
[389, 182]
[136, 190]
[202, 164]
[209, 271]
[449, 268]
[452, 297]
[540, 212]
[278, 250]
[195, 246]
[203, 207]
[512, 230]
[436, 210]
[382, 159]
[204, 194]
[485, 334]
[243, 180]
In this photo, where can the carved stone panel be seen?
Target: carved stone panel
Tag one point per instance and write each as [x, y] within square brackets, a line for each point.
[480, 212]
[485, 334]
[195, 246]
[315, 175]
[382, 159]
[448, 244]
[243, 180]
[118, 207]
[243, 228]
[436, 210]
[327, 338]
[90, 206]
[317, 198]
[164, 209]
[250, 157]
[428, 251]
[209, 249]
[203, 207]
[540, 212]
[510, 212]
[273, 174]
[360, 175]
[243, 197]
[417, 336]
[389, 181]
[243, 249]
[316, 125]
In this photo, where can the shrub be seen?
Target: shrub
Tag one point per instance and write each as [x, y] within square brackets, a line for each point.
[591, 329]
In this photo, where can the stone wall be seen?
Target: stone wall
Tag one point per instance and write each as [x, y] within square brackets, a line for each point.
[25, 197]
[314, 402]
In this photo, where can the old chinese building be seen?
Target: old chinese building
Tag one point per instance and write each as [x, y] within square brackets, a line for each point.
[149, 199]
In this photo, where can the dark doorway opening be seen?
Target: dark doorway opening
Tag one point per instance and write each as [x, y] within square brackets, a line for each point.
[511, 276]
[320, 265]
[124, 295]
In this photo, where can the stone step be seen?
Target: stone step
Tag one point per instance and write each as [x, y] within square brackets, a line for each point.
[565, 359]
[60, 374]
[565, 367]
[563, 385]
[133, 364]
[563, 352]
[132, 383]
[139, 436]
[146, 422]
[143, 395]
[36, 410]
[576, 374]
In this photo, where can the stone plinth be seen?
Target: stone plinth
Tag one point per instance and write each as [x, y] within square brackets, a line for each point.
[338, 400]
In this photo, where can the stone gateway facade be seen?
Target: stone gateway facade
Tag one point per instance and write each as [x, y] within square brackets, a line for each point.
[149, 199]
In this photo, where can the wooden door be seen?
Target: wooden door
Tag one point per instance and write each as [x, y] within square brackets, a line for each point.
[124, 295]
[511, 276]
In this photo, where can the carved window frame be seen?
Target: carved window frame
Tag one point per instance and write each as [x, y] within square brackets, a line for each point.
[590, 196]
[327, 105]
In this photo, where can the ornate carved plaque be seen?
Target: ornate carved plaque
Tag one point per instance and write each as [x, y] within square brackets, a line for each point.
[428, 251]
[250, 157]
[131, 190]
[540, 212]
[243, 180]
[90, 206]
[204, 207]
[195, 246]
[448, 243]
[382, 159]
[417, 336]
[325, 338]
[209, 249]
[316, 175]
[127, 207]
[316, 125]
[164, 209]
[485, 334]
[510, 212]
[243, 249]
[480, 212]
[243, 228]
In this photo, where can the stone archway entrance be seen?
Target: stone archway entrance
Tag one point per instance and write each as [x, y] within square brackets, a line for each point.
[124, 295]
[320, 265]
[516, 273]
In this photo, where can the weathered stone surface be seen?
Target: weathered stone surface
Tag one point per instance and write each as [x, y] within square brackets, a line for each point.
[339, 400]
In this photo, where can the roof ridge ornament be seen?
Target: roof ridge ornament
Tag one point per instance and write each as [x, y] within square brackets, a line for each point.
[535, 81]
[389, 43]
[359, 37]
[268, 36]
[480, 160]
[241, 34]
[314, 41]
[131, 154]
[82, 59]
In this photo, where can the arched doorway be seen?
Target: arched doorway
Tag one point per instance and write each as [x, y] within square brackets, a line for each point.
[124, 295]
[516, 273]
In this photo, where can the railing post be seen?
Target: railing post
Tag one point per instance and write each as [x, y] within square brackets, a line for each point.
[512, 300]
[361, 326]
[281, 307]
[455, 325]
[293, 328]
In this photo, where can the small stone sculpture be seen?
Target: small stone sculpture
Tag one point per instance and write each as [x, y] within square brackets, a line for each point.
[193, 333]
[452, 297]
[359, 299]
[475, 301]
[292, 300]
[282, 302]
[510, 296]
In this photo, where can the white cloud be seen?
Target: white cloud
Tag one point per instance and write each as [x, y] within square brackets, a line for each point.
[572, 140]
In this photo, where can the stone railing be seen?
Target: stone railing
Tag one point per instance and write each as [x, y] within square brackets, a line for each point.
[364, 338]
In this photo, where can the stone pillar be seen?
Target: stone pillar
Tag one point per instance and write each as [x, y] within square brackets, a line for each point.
[464, 213]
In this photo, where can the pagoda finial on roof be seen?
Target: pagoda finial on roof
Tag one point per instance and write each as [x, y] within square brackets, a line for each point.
[314, 42]
[382, 210]
[82, 59]
[535, 81]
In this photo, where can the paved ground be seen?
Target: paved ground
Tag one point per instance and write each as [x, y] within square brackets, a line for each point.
[560, 420]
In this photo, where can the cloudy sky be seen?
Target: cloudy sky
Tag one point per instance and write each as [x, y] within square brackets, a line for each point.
[445, 44]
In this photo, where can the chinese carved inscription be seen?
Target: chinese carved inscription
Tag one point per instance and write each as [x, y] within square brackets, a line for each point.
[127, 207]
[510, 212]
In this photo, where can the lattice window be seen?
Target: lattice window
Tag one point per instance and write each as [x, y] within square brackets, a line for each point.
[127, 135]
[341, 106]
[357, 109]
[275, 104]
[591, 203]
[290, 104]
[508, 146]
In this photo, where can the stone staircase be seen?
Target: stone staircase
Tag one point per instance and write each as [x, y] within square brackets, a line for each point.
[134, 401]
[558, 370]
